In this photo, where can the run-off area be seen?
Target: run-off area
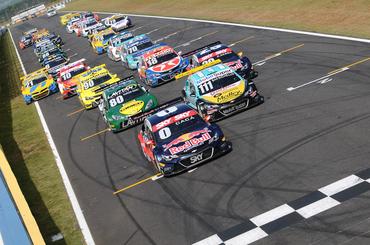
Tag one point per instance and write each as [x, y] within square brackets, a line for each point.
[296, 142]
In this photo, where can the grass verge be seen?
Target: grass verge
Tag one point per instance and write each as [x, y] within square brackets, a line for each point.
[340, 17]
[27, 150]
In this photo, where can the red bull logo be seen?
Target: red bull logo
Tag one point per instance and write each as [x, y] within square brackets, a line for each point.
[189, 140]
[235, 65]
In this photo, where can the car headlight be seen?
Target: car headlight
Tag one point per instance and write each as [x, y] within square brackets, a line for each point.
[214, 138]
[210, 107]
[149, 105]
[89, 98]
[167, 157]
[118, 117]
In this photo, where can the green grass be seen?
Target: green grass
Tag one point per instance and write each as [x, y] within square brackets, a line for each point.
[27, 150]
[343, 17]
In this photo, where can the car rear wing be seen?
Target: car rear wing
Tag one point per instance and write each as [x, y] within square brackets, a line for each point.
[196, 69]
[200, 49]
[139, 118]
[119, 82]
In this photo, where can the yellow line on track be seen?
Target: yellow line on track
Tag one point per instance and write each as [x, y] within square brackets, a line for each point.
[95, 134]
[286, 50]
[242, 40]
[59, 97]
[137, 183]
[72, 113]
[350, 65]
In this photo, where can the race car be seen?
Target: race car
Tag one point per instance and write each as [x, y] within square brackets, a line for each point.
[121, 23]
[160, 65]
[25, 41]
[85, 32]
[55, 64]
[99, 41]
[47, 55]
[217, 91]
[55, 39]
[30, 31]
[115, 45]
[43, 46]
[91, 83]
[96, 30]
[37, 85]
[123, 101]
[91, 23]
[176, 139]
[64, 19]
[51, 12]
[39, 35]
[132, 49]
[66, 82]
[241, 64]
[111, 20]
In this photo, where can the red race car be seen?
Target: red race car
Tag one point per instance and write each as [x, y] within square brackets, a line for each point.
[67, 85]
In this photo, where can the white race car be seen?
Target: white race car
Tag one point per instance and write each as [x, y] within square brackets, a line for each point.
[121, 23]
[51, 12]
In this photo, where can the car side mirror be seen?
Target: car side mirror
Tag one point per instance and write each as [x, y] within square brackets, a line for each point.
[240, 54]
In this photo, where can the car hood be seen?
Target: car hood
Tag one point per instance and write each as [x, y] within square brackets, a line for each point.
[188, 141]
[166, 66]
[36, 88]
[225, 94]
[131, 107]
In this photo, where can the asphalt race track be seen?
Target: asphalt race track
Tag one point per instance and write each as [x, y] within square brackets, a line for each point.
[298, 141]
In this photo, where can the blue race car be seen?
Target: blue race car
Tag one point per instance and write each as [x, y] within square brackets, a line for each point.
[177, 138]
[134, 48]
[239, 63]
[161, 65]
[115, 45]
[218, 91]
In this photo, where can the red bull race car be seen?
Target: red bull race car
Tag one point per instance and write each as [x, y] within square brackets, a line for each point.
[177, 138]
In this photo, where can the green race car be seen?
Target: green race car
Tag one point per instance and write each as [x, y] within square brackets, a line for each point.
[125, 104]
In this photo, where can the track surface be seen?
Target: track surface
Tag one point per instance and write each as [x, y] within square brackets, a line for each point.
[291, 145]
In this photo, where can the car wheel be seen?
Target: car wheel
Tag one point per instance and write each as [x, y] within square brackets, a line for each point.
[201, 110]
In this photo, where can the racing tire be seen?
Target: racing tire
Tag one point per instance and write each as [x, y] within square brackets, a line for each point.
[200, 109]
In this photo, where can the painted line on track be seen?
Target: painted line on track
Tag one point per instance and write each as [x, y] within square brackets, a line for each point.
[75, 112]
[67, 183]
[196, 39]
[157, 29]
[293, 212]
[262, 62]
[152, 178]
[326, 78]
[172, 34]
[240, 41]
[95, 134]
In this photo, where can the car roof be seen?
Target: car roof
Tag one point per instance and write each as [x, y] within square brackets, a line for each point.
[137, 40]
[120, 85]
[155, 51]
[209, 73]
[210, 49]
[157, 117]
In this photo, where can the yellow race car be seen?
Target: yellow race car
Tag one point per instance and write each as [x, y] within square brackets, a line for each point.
[37, 85]
[100, 40]
[67, 17]
[91, 84]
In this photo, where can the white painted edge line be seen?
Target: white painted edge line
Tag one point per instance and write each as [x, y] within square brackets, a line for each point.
[317, 34]
[67, 184]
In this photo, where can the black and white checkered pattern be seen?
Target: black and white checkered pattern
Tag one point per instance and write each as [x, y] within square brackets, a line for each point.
[287, 214]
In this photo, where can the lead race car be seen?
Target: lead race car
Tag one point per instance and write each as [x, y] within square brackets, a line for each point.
[115, 45]
[239, 63]
[177, 138]
[123, 101]
[217, 91]
[160, 65]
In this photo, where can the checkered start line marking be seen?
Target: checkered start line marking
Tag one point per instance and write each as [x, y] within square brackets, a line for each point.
[295, 211]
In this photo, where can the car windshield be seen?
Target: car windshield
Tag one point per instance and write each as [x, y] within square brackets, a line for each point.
[124, 95]
[56, 62]
[120, 18]
[176, 129]
[141, 46]
[152, 61]
[224, 57]
[108, 36]
[96, 81]
[217, 83]
[68, 75]
[91, 23]
[35, 81]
